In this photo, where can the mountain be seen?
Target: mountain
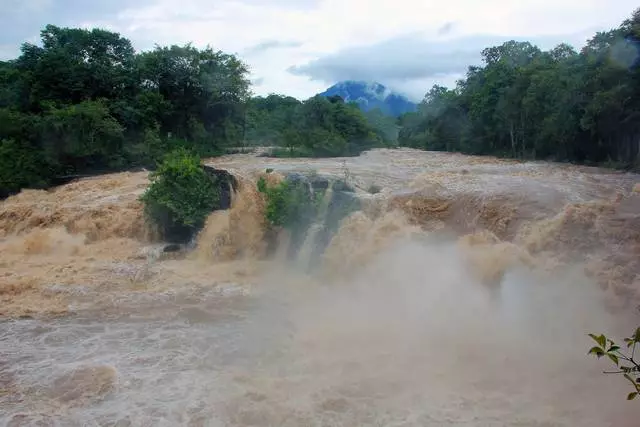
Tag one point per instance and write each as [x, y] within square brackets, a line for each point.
[369, 95]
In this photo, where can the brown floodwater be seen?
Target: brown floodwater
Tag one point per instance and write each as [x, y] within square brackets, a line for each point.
[460, 295]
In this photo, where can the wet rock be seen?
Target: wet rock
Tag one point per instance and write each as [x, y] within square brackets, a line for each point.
[374, 189]
[341, 185]
[296, 178]
[173, 247]
[226, 182]
[319, 182]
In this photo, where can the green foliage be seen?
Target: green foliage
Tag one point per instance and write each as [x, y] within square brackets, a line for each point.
[85, 101]
[525, 103]
[181, 196]
[81, 135]
[289, 204]
[269, 118]
[317, 127]
[20, 166]
[293, 205]
[625, 362]
[385, 127]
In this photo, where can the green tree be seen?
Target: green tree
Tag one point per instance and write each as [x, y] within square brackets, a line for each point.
[82, 136]
[384, 126]
[20, 167]
[85, 101]
[526, 103]
[205, 86]
[74, 65]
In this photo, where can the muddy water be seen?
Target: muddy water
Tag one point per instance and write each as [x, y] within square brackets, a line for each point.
[461, 295]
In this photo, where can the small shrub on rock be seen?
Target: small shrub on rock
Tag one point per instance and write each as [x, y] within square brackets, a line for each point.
[288, 203]
[181, 196]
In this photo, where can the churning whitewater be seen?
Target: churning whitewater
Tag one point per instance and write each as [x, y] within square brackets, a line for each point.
[458, 295]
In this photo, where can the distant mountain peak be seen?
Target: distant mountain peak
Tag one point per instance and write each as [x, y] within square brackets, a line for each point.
[370, 95]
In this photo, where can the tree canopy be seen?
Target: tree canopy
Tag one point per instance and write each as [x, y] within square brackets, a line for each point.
[85, 101]
[318, 126]
[527, 103]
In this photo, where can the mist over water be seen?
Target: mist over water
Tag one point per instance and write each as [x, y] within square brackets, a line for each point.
[416, 315]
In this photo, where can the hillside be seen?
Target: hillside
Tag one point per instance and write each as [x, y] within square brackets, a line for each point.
[371, 95]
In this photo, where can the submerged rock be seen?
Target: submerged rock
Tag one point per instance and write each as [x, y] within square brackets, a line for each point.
[330, 201]
[226, 183]
[179, 234]
[173, 247]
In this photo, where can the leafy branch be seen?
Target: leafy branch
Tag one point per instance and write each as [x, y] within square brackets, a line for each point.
[626, 363]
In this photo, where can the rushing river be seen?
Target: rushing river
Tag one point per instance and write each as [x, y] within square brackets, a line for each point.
[460, 296]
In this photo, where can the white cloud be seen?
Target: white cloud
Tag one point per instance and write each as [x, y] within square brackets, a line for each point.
[424, 40]
[414, 62]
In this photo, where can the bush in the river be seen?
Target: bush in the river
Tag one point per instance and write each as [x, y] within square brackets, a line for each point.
[299, 202]
[181, 196]
[289, 203]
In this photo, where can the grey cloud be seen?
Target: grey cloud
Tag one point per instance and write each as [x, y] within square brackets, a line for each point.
[446, 28]
[403, 58]
[271, 44]
[258, 81]
[411, 57]
[22, 20]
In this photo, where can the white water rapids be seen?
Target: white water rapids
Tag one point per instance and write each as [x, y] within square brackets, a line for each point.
[410, 336]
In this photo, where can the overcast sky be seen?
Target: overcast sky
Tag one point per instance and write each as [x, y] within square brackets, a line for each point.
[300, 47]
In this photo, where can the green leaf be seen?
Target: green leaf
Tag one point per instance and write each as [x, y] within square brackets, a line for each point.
[632, 396]
[597, 351]
[614, 348]
[601, 339]
[613, 358]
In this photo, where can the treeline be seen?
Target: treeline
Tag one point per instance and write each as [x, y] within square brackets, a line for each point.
[526, 103]
[317, 127]
[85, 101]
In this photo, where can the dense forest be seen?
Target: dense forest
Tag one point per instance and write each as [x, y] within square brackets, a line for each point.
[527, 103]
[317, 127]
[85, 101]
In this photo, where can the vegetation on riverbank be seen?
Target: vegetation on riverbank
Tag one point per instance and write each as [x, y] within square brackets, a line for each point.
[317, 127]
[85, 101]
[527, 103]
